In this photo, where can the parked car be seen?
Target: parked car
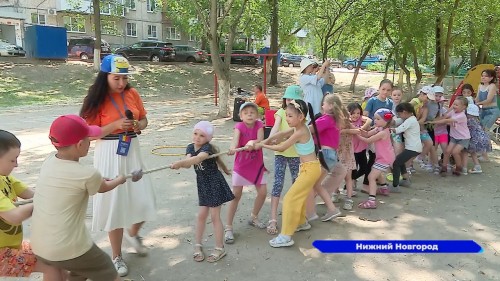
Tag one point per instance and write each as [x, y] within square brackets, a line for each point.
[291, 60]
[83, 48]
[151, 50]
[351, 63]
[248, 58]
[7, 49]
[189, 54]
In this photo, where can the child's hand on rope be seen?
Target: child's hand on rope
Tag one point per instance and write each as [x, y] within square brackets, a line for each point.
[231, 151]
[175, 166]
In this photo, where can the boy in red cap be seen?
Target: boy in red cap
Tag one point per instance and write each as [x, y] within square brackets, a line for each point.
[59, 235]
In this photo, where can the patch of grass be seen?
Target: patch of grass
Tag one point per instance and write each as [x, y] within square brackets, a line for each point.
[28, 84]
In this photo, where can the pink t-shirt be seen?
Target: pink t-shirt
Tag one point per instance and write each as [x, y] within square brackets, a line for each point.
[459, 129]
[329, 133]
[383, 149]
[249, 164]
[357, 144]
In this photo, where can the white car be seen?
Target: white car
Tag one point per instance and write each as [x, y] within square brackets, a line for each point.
[7, 49]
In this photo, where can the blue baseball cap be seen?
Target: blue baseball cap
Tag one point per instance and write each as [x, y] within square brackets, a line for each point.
[115, 64]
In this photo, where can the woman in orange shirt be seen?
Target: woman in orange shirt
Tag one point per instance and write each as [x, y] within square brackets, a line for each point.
[118, 152]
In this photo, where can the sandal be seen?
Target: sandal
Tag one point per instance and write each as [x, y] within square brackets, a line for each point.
[216, 255]
[368, 204]
[272, 228]
[228, 235]
[198, 256]
[253, 221]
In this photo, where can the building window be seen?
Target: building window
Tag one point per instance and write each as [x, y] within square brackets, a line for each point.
[74, 24]
[109, 27]
[171, 33]
[131, 29]
[192, 38]
[130, 4]
[152, 31]
[105, 9]
[150, 5]
[37, 19]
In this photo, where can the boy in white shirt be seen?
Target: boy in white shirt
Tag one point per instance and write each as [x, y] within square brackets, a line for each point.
[59, 235]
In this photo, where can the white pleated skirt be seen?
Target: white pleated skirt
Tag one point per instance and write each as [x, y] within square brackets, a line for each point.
[127, 204]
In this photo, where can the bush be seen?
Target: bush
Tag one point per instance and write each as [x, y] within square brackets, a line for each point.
[376, 66]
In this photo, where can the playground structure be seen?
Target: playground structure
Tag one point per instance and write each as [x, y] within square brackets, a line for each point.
[264, 73]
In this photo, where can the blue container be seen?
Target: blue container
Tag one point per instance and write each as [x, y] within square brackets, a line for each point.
[46, 42]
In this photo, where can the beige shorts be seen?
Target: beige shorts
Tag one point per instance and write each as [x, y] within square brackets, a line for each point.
[95, 265]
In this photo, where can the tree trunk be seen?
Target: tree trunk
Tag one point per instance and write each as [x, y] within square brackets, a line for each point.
[274, 42]
[418, 72]
[407, 73]
[361, 59]
[447, 45]
[438, 67]
[387, 64]
[97, 27]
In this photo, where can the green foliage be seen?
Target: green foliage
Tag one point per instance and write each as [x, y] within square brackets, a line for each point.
[379, 67]
[296, 49]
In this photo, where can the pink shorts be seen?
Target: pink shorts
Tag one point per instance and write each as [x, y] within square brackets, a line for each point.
[238, 180]
[441, 138]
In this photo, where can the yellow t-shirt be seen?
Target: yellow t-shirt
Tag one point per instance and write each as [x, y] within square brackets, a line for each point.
[290, 152]
[58, 230]
[10, 235]
[363, 104]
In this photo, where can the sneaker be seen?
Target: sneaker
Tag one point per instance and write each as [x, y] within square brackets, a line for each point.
[343, 192]
[419, 160]
[331, 215]
[394, 189]
[429, 168]
[304, 226]
[120, 266]
[335, 197]
[281, 241]
[348, 203]
[464, 171]
[136, 243]
[313, 217]
[437, 170]
[405, 183]
[476, 170]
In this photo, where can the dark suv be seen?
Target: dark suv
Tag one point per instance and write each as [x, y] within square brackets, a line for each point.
[291, 60]
[248, 58]
[189, 54]
[83, 48]
[152, 50]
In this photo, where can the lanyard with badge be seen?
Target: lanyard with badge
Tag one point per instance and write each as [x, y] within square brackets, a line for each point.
[123, 140]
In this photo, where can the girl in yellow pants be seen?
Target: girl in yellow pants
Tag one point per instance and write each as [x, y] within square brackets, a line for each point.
[294, 203]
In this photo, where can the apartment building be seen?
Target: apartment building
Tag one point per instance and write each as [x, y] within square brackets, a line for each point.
[123, 22]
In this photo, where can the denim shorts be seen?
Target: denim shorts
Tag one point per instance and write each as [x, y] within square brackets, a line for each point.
[424, 136]
[488, 116]
[462, 142]
[396, 138]
[330, 157]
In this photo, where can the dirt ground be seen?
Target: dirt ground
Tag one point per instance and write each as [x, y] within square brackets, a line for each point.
[467, 207]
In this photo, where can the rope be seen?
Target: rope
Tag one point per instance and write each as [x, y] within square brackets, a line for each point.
[154, 150]
[168, 166]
